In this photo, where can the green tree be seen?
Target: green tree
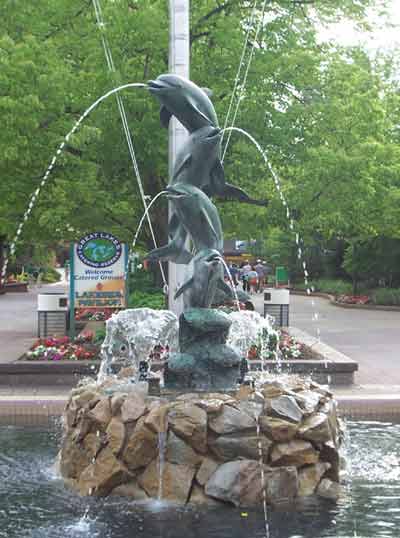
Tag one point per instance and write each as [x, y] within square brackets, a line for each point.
[52, 68]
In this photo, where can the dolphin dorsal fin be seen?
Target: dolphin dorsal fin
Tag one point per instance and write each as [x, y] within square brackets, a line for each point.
[184, 287]
[165, 116]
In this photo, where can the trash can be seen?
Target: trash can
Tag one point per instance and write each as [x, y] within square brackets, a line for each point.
[52, 311]
[276, 304]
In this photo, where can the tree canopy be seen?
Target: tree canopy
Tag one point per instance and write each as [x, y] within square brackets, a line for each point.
[328, 117]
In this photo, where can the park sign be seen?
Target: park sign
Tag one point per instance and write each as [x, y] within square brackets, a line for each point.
[98, 272]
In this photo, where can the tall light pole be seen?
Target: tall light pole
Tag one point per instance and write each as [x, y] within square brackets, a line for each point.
[179, 64]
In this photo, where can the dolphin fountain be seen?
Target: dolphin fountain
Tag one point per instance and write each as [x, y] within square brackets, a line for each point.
[204, 439]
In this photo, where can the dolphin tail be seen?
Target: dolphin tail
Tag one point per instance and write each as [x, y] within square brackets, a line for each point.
[219, 187]
[230, 191]
[169, 253]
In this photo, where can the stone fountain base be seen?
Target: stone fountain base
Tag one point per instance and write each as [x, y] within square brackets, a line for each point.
[203, 447]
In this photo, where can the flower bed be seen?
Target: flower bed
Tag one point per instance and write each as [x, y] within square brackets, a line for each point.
[288, 348]
[91, 314]
[353, 299]
[83, 347]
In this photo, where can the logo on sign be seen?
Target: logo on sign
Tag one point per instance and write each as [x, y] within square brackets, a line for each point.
[99, 249]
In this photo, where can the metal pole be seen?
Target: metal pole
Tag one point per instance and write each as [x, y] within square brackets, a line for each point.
[72, 291]
[178, 64]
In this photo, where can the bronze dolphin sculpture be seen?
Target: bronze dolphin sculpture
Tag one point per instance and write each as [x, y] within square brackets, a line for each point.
[197, 163]
[181, 98]
[208, 275]
[197, 217]
[191, 105]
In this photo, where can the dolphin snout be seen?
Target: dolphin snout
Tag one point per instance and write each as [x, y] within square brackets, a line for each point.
[155, 85]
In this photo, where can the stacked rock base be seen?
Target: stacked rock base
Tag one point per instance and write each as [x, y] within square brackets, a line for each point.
[204, 447]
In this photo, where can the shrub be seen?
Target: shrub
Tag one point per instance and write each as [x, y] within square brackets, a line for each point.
[142, 299]
[325, 285]
[50, 275]
[386, 296]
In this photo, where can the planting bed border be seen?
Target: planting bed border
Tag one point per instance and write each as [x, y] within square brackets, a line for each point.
[332, 367]
[16, 287]
[331, 299]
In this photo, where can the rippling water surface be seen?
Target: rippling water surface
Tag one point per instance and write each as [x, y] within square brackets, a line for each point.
[34, 503]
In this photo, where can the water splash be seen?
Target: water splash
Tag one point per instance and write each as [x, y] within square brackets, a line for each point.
[50, 167]
[282, 197]
[248, 329]
[132, 334]
[81, 527]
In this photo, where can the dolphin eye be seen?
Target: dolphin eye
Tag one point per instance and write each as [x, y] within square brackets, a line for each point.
[123, 348]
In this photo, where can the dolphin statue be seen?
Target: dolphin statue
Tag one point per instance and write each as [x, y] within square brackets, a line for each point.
[197, 163]
[191, 105]
[208, 275]
[197, 217]
[181, 98]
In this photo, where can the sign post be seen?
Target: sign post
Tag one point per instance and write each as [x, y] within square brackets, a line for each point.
[71, 291]
[98, 274]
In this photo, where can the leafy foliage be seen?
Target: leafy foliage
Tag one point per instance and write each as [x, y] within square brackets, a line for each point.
[327, 117]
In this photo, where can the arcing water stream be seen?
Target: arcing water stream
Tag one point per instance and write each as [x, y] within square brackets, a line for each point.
[45, 176]
[288, 215]
[143, 217]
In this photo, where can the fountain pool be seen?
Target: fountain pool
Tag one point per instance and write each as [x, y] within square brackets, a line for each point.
[34, 502]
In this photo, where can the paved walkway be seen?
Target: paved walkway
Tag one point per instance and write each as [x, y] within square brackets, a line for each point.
[18, 320]
[370, 337]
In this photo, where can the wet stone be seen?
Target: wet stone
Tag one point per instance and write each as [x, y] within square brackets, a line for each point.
[295, 452]
[228, 448]
[177, 451]
[206, 469]
[141, 447]
[316, 428]
[329, 489]
[310, 476]
[189, 422]
[231, 420]
[133, 408]
[278, 429]
[285, 407]
[176, 481]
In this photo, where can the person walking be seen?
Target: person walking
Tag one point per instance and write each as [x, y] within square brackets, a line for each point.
[245, 270]
[234, 271]
[252, 279]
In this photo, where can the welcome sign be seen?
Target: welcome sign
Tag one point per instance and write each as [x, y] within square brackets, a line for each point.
[98, 272]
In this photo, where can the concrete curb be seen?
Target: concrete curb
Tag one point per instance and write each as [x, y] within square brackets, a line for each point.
[331, 299]
[39, 373]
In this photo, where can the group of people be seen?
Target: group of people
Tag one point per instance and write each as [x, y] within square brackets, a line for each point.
[253, 277]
